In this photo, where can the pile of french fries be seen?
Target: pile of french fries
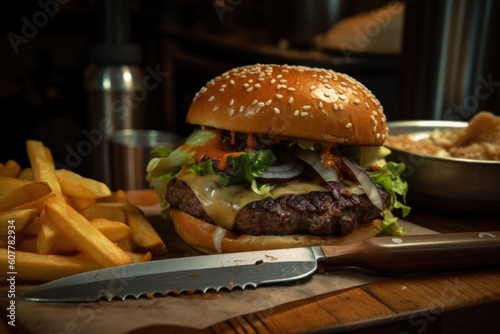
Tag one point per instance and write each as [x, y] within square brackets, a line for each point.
[55, 222]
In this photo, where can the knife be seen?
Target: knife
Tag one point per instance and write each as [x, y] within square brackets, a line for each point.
[199, 274]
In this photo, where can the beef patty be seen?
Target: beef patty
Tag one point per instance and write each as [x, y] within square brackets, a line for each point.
[315, 213]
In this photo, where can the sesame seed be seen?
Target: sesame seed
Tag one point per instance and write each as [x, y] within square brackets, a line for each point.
[254, 102]
[343, 97]
[374, 128]
[261, 104]
[326, 94]
[279, 96]
[249, 89]
[378, 135]
[221, 89]
[231, 112]
[260, 78]
[231, 82]
[343, 83]
[268, 102]
[296, 113]
[257, 85]
[304, 113]
[291, 89]
[341, 106]
[335, 106]
[328, 86]
[279, 76]
[231, 102]
[215, 108]
[290, 100]
[320, 104]
[374, 113]
[283, 80]
[348, 125]
[276, 111]
[313, 87]
[356, 101]
[241, 109]
[273, 81]
[279, 86]
[246, 85]
[307, 107]
[367, 105]
[211, 98]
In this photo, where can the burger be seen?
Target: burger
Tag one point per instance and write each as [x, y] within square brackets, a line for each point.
[280, 156]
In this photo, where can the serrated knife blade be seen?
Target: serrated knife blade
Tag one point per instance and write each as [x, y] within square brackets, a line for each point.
[252, 269]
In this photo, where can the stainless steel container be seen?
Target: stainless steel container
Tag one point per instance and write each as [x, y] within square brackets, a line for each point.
[130, 154]
[450, 58]
[113, 103]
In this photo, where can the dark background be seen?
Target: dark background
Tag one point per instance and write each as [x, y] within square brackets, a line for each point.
[41, 91]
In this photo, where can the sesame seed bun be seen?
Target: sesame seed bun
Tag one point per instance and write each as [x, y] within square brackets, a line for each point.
[210, 239]
[291, 101]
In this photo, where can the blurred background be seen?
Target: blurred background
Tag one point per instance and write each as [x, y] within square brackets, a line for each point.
[75, 72]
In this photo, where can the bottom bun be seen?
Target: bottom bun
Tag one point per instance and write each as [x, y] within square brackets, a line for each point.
[211, 239]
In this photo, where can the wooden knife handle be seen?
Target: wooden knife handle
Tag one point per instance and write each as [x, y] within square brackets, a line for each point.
[417, 252]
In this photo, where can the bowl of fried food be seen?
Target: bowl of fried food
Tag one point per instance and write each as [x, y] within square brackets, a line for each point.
[450, 166]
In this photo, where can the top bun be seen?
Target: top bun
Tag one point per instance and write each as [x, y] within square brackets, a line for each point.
[291, 101]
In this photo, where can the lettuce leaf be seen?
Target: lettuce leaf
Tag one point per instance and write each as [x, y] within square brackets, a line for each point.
[389, 178]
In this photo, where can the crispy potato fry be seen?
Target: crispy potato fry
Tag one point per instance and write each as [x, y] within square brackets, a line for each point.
[113, 230]
[26, 192]
[38, 203]
[128, 244]
[140, 257]
[47, 235]
[33, 228]
[43, 268]
[21, 219]
[80, 204]
[43, 165]
[85, 235]
[10, 169]
[75, 185]
[118, 196]
[141, 230]
[26, 174]
[105, 211]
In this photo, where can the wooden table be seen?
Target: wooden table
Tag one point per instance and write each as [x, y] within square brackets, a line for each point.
[463, 301]
[460, 301]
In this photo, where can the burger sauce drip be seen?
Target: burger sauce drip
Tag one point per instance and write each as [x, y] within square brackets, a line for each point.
[327, 158]
[216, 150]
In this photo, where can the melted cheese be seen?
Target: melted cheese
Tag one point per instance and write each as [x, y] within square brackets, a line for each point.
[222, 203]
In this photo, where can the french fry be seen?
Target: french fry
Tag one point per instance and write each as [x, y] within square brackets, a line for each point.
[20, 219]
[26, 174]
[140, 257]
[85, 235]
[141, 230]
[42, 165]
[47, 235]
[38, 203]
[128, 244]
[75, 185]
[80, 204]
[113, 230]
[105, 211]
[10, 169]
[26, 191]
[47, 267]
[33, 228]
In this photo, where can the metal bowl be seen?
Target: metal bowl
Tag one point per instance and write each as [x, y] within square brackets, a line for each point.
[446, 184]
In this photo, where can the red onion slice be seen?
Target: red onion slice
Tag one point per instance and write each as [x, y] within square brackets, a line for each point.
[367, 183]
[313, 159]
[287, 168]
